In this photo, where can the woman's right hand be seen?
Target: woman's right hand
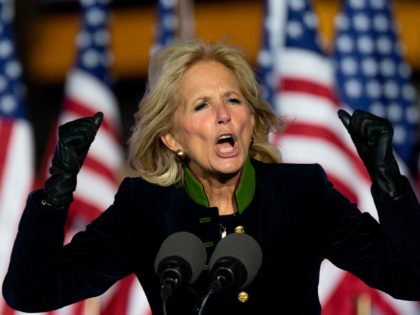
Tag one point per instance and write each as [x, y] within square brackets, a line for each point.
[74, 140]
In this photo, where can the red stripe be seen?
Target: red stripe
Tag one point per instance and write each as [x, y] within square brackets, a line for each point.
[5, 309]
[343, 188]
[83, 209]
[84, 111]
[120, 300]
[343, 301]
[46, 160]
[307, 87]
[6, 126]
[319, 132]
[90, 162]
[100, 168]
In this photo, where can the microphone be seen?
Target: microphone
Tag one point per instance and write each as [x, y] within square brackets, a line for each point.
[180, 259]
[234, 263]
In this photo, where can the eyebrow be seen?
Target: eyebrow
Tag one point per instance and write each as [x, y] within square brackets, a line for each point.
[226, 94]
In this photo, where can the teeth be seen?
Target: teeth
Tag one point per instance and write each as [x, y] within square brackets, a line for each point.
[224, 137]
[226, 149]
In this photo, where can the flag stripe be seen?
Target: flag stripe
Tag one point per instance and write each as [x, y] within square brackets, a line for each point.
[315, 131]
[310, 87]
[81, 110]
[6, 126]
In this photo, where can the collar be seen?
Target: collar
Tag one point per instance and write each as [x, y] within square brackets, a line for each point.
[244, 192]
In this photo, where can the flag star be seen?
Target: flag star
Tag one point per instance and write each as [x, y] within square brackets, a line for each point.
[384, 45]
[412, 114]
[13, 69]
[387, 67]
[391, 89]
[408, 92]
[373, 89]
[377, 108]
[349, 66]
[294, 29]
[361, 22]
[95, 16]
[90, 58]
[87, 3]
[310, 20]
[342, 22]
[369, 66]
[404, 70]
[345, 43]
[378, 4]
[365, 44]
[353, 88]
[400, 134]
[358, 4]
[395, 112]
[8, 103]
[264, 58]
[170, 21]
[6, 48]
[380, 23]
[168, 4]
[83, 40]
[297, 5]
[101, 37]
[7, 13]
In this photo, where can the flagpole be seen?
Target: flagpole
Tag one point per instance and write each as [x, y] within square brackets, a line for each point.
[363, 304]
[92, 306]
[186, 19]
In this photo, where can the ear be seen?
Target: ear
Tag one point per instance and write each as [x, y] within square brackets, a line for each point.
[169, 140]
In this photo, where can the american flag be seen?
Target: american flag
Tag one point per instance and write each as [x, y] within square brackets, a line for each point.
[88, 89]
[167, 22]
[16, 143]
[299, 80]
[371, 72]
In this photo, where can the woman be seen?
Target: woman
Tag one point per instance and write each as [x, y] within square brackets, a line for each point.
[200, 146]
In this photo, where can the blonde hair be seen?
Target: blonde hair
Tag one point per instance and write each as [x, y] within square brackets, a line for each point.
[152, 160]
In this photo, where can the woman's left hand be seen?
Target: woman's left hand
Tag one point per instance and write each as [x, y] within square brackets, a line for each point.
[372, 136]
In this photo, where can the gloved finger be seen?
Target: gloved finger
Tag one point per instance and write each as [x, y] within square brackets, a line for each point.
[97, 118]
[371, 127]
[344, 117]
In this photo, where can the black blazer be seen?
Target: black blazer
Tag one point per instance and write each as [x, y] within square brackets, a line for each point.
[296, 216]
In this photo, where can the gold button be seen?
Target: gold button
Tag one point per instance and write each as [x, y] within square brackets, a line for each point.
[240, 229]
[243, 297]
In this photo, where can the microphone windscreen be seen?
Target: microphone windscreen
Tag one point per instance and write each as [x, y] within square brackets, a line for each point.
[186, 246]
[242, 247]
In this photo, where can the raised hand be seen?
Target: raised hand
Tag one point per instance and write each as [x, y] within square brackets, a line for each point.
[74, 140]
[372, 136]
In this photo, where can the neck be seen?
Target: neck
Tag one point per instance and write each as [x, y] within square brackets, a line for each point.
[221, 193]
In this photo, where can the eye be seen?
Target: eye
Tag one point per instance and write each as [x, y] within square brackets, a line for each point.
[234, 100]
[200, 106]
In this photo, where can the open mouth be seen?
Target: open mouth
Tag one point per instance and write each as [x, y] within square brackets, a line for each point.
[225, 143]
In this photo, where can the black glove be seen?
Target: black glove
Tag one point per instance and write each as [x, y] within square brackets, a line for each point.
[74, 140]
[372, 136]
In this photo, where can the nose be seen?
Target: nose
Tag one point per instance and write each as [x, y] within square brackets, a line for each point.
[223, 114]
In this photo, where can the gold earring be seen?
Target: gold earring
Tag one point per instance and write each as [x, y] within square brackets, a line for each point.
[180, 155]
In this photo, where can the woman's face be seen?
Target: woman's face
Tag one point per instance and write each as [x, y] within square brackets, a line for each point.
[214, 123]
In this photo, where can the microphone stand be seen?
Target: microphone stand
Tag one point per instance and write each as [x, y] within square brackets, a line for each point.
[223, 279]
